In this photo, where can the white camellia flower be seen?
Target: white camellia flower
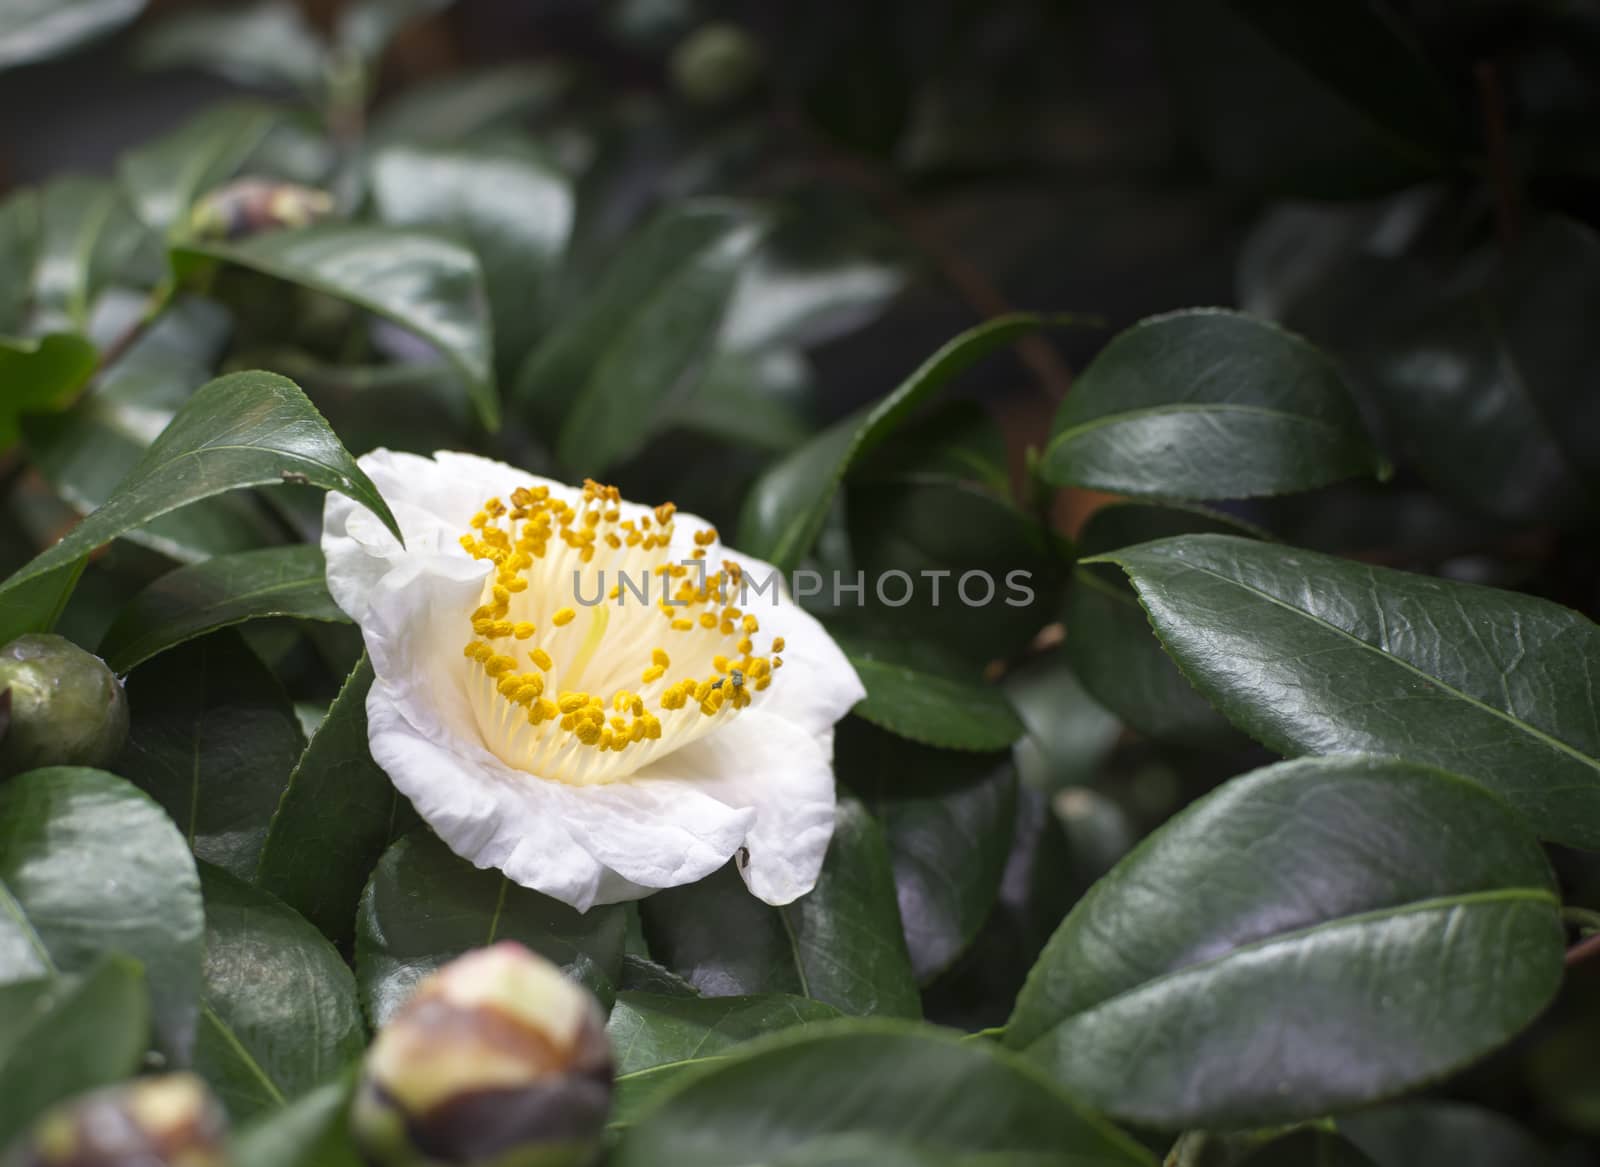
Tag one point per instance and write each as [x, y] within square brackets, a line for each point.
[593, 696]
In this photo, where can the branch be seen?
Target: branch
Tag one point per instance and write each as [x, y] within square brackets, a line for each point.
[1497, 144]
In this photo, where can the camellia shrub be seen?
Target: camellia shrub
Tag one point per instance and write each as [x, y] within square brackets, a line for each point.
[531, 635]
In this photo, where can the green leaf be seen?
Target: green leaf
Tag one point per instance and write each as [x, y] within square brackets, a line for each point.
[426, 906]
[948, 819]
[1068, 733]
[649, 1030]
[365, 27]
[88, 235]
[751, 399]
[279, 1013]
[916, 690]
[1387, 963]
[265, 43]
[41, 375]
[69, 1035]
[1308, 1148]
[841, 944]
[507, 202]
[786, 509]
[1208, 404]
[613, 366]
[463, 103]
[912, 1086]
[245, 429]
[165, 178]
[35, 30]
[219, 593]
[337, 817]
[314, 1128]
[1443, 1134]
[67, 835]
[1491, 684]
[424, 283]
[1109, 642]
[213, 740]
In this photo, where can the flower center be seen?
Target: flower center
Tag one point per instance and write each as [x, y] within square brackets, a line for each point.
[654, 655]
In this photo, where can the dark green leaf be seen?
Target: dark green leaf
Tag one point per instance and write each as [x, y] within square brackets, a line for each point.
[213, 740]
[35, 30]
[649, 1030]
[642, 338]
[1492, 684]
[41, 375]
[1187, 989]
[69, 1035]
[840, 944]
[426, 906]
[336, 819]
[948, 819]
[1208, 404]
[752, 399]
[786, 509]
[642, 975]
[313, 1129]
[915, 690]
[1068, 733]
[507, 202]
[464, 103]
[914, 1087]
[66, 836]
[279, 1013]
[88, 235]
[1308, 1148]
[246, 429]
[228, 590]
[1443, 1134]
[166, 177]
[262, 42]
[424, 283]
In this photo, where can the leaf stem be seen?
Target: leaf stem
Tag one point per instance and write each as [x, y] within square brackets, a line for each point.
[1585, 920]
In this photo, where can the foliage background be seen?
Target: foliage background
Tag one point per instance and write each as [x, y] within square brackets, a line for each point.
[697, 253]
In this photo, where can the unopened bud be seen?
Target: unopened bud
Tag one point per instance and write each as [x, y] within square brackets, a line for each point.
[170, 1121]
[716, 63]
[496, 1059]
[254, 206]
[59, 706]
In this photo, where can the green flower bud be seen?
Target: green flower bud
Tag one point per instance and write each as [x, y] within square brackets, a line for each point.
[497, 1060]
[171, 1121]
[716, 63]
[59, 706]
[253, 206]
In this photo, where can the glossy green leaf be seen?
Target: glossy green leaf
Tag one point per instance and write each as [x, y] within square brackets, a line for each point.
[314, 1128]
[203, 597]
[213, 739]
[35, 30]
[88, 235]
[260, 42]
[786, 509]
[916, 690]
[68, 1035]
[1491, 684]
[648, 1030]
[426, 906]
[1187, 989]
[1443, 1134]
[752, 399]
[948, 819]
[1109, 642]
[166, 177]
[1208, 404]
[641, 339]
[1308, 1148]
[506, 201]
[365, 27]
[337, 817]
[41, 375]
[919, 1087]
[67, 835]
[424, 283]
[245, 429]
[463, 103]
[840, 944]
[1068, 733]
[279, 1013]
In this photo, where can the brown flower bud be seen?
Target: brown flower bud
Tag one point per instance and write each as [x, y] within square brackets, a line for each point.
[170, 1121]
[254, 206]
[496, 1059]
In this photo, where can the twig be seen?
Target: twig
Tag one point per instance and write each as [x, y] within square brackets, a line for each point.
[1497, 143]
[1582, 951]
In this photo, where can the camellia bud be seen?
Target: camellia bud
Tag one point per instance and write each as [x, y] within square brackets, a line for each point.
[716, 63]
[59, 706]
[170, 1121]
[253, 206]
[497, 1060]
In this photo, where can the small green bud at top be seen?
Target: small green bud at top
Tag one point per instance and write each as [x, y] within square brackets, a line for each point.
[59, 706]
[716, 63]
[169, 1121]
[497, 1060]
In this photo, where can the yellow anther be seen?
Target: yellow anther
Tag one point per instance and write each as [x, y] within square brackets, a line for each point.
[658, 656]
[777, 644]
[497, 665]
[746, 646]
[587, 732]
[572, 702]
[682, 625]
[563, 617]
[763, 683]
[751, 625]
[509, 684]
[524, 629]
[708, 619]
[705, 537]
[720, 663]
[620, 724]
[777, 662]
[543, 710]
[727, 628]
[542, 658]
[653, 673]
[530, 691]
[621, 700]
